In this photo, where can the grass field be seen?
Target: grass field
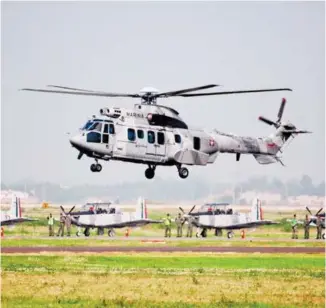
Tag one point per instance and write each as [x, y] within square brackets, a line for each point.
[169, 280]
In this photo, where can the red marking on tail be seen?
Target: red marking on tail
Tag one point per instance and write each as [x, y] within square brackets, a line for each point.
[272, 145]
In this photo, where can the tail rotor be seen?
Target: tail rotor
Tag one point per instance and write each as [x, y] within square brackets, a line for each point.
[288, 128]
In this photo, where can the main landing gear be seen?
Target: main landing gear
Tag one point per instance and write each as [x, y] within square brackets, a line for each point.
[150, 172]
[96, 167]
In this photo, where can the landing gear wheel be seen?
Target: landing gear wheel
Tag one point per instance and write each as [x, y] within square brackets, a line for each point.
[111, 233]
[93, 167]
[204, 233]
[183, 173]
[149, 173]
[86, 232]
[230, 234]
[98, 167]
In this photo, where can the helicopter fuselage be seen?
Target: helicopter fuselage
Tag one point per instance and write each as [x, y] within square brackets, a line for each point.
[156, 135]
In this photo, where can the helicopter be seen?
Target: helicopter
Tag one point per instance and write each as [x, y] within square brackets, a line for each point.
[156, 135]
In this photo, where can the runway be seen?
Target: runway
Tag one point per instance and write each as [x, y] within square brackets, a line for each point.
[213, 249]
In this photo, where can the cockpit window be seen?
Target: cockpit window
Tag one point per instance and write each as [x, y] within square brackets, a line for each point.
[90, 124]
[87, 125]
[95, 126]
[93, 137]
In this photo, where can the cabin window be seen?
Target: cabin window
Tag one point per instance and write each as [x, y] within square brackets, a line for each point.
[197, 143]
[131, 134]
[140, 134]
[160, 138]
[94, 137]
[106, 129]
[177, 138]
[111, 129]
[151, 136]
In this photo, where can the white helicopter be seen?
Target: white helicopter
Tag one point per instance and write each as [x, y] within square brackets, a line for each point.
[155, 135]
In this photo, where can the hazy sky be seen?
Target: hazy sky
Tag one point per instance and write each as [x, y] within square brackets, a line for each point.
[123, 47]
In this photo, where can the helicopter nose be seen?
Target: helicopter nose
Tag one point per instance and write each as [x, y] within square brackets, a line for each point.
[76, 141]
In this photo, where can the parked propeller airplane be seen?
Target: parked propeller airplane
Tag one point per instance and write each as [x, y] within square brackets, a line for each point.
[155, 135]
[15, 215]
[107, 215]
[219, 216]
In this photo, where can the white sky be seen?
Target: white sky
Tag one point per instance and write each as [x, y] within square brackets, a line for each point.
[124, 46]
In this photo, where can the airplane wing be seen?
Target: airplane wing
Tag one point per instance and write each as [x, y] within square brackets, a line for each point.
[242, 226]
[132, 223]
[14, 221]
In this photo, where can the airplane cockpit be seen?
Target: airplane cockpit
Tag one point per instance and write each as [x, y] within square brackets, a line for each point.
[215, 209]
[100, 208]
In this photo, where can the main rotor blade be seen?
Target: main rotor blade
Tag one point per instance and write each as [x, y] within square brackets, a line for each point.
[177, 92]
[234, 92]
[280, 111]
[267, 121]
[309, 211]
[73, 89]
[63, 210]
[104, 94]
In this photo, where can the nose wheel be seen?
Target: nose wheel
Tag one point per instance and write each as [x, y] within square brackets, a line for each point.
[96, 167]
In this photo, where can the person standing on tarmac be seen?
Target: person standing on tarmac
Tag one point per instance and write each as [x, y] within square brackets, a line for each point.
[68, 224]
[179, 222]
[167, 224]
[306, 228]
[318, 225]
[62, 225]
[51, 225]
[190, 226]
[294, 225]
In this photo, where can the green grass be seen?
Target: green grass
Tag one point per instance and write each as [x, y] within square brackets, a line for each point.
[169, 280]
[101, 263]
[92, 242]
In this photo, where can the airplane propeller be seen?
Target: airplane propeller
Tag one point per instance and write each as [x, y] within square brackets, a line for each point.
[63, 210]
[185, 218]
[311, 219]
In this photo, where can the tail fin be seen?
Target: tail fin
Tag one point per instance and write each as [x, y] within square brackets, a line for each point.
[141, 211]
[16, 207]
[256, 210]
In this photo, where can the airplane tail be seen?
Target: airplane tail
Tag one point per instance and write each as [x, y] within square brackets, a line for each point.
[141, 211]
[15, 207]
[256, 210]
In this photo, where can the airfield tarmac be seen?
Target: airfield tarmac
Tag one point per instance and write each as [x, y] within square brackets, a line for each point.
[164, 249]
